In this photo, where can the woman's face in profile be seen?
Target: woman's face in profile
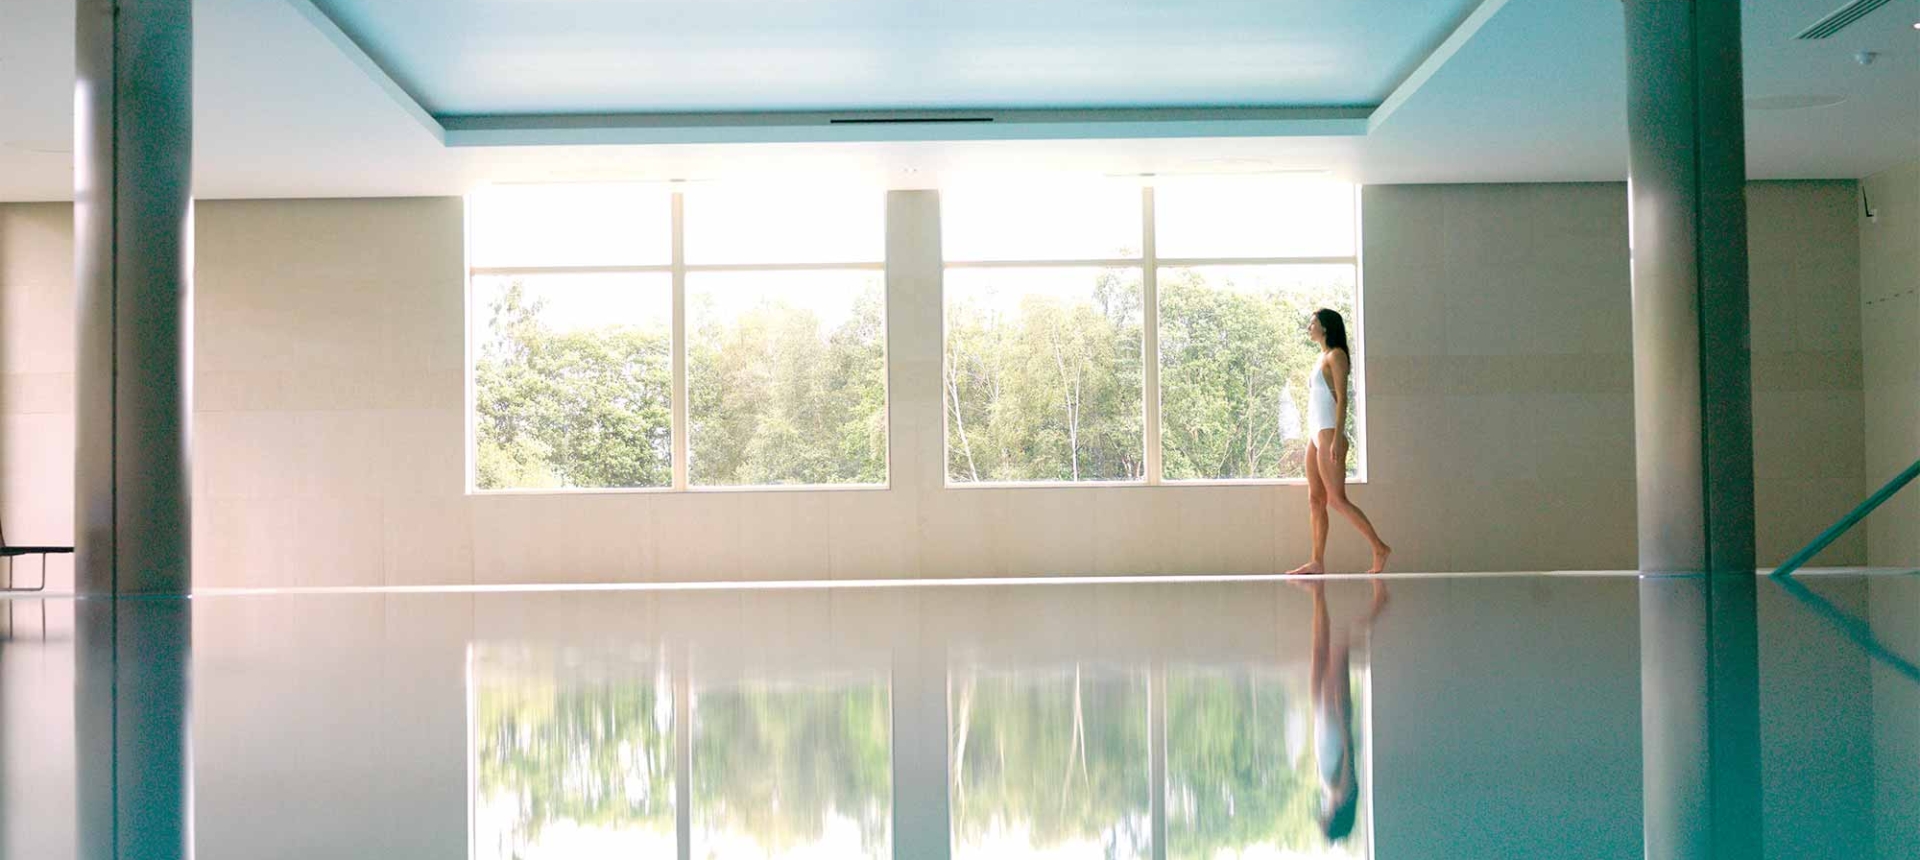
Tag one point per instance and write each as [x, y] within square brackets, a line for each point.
[1314, 332]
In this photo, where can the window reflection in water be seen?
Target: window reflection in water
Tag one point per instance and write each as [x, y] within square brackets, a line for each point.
[573, 754]
[1049, 762]
[1241, 780]
[792, 770]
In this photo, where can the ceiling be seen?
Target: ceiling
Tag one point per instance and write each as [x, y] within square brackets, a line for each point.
[464, 57]
[1537, 93]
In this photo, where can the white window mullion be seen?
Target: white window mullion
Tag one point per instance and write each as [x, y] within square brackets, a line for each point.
[1157, 759]
[682, 671]
[679, 393]
[1150, 336]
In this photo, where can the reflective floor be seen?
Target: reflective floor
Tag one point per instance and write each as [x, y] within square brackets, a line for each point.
[1439, 717]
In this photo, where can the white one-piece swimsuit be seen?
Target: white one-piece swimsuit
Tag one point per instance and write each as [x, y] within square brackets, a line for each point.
[1319, 404]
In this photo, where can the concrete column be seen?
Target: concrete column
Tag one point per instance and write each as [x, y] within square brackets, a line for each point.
[133, 247]
[133, 231]
[1693, 429]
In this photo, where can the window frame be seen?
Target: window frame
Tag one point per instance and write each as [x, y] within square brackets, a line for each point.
[1149, 263]
[677, 268]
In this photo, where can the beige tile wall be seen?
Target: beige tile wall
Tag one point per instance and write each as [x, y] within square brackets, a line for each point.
[36, 382]
[328, 364]
[1499, 357]
[1890, 329]
[329, 397]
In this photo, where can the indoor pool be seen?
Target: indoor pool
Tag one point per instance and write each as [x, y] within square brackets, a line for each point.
[1484, 716]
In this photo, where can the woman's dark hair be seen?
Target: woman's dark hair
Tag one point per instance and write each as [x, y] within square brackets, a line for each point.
[1336, 329]
[1338, 822]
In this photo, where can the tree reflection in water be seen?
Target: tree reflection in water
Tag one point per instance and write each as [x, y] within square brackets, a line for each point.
[1049, 761]
[574, 757]
[792, 770]
[573, 753]
[1240, 775]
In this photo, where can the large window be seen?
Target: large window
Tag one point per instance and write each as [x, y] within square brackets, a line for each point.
[1117, 332]
[1043, 374]
[637, 337]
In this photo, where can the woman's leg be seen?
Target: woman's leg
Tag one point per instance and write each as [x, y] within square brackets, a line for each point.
[1316, 517]
[1333, 475]
[1317, 652]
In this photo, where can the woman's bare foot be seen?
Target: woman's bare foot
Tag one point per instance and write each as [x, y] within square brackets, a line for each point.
[1379, 601]
[1309, 567]
[1380, 556]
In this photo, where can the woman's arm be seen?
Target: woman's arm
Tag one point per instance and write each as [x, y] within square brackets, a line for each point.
[1337, 365]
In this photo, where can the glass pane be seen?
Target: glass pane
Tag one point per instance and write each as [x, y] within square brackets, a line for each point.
[1049, 763]
[1043, 375]
[1242, 777]
[793, 771]
[570, 225]
[573, 755]
[1234, 359]
[808, 225]
[1253, 217]
[787, 378]
[572, 380]
[1083, 221]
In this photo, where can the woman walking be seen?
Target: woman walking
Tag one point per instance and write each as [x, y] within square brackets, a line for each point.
[1327, 444]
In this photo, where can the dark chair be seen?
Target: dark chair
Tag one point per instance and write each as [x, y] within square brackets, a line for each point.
[11, 552]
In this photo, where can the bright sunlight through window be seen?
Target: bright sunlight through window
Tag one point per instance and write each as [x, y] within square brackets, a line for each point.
[1106, 331]
[637, 337]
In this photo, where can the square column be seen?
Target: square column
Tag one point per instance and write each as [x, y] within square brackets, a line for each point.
[133, 231]
[1693, 429]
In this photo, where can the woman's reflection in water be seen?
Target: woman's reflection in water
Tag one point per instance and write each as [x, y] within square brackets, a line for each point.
[1332, 691]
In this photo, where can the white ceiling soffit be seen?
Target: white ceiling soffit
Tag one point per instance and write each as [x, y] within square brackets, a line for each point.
[1537, 95]
[503, 73]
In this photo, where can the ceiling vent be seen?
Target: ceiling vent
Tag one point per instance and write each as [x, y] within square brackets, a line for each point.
[905, 120]
[1841, 18]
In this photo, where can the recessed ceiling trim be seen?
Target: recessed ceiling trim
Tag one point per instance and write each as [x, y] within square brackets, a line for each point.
[371, 67]
[1451, 45]
[897, 126]
[1794, 102]
[1840, 19]
[902, 126]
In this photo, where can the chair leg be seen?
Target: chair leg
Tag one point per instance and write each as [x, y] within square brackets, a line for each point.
[9, 588]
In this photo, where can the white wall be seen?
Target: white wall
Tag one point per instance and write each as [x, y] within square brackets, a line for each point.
[1496, 328]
